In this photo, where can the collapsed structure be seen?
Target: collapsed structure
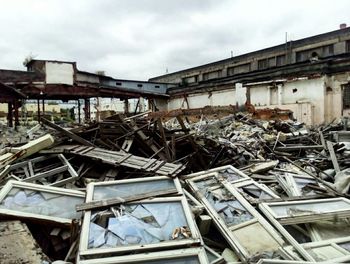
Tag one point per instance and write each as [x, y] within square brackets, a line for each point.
[192, 180]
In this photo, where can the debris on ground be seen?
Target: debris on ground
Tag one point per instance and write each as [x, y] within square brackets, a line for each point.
[162, 188]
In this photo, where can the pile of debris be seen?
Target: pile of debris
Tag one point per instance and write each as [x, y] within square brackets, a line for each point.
[141, 189]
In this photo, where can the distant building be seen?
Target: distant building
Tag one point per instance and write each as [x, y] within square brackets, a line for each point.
[310, 76]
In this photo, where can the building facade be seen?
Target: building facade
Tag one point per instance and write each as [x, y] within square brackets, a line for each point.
[310, 76]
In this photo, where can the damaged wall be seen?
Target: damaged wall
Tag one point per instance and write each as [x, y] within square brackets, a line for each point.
[313, 100]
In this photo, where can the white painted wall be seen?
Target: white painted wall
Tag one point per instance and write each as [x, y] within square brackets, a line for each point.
[217, 98]
[59, 73]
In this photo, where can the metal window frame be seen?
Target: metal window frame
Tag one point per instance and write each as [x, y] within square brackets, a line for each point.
[66, 166]
[260, 186]
[226, 231]
[218, 170]
[295, 219]
[91, 186]
[288, 250]
[38, 188]
[269, 214]
[85, 252]
[160, 255]
[289, 185]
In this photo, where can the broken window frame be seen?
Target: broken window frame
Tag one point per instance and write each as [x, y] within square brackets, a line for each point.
[295, 219]
[280, 261]
[37, 188]
[272, 218]
[226, 231]
[219, 259]
[66, 166]
[91, 186]
[84, 251]
[151, 256]
[218, 170]
[288, 252]
[289, 185]
[260, 186]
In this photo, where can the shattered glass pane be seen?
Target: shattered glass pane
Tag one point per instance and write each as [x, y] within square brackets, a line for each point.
[138, 224]
[345, 245]
[134, 188]
[211, 257]
[42, 203]
[230, 175]
[224, 203]
[287, 209]
[255, 192]
[302, 184]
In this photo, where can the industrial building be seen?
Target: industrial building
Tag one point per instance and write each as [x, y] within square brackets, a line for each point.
[309, 76]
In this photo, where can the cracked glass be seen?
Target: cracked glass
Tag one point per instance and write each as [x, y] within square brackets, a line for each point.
[138, 224]
[42, 203]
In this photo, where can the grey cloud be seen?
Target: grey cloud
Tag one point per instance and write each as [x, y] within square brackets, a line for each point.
[139, 39]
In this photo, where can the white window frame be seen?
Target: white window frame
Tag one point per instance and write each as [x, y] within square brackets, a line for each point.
[160, 255]
[220, 223]
[85, 252]
[219, 171]
[39, 188]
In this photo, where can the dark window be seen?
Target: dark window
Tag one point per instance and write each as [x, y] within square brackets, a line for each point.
[346, 96]
[157, 86]
[211, 75]
[191, 79]
[348, 46]
[118, 83]
[327, 50]
[262, 64]
[238, 69]
[139, 85]
[280, 60]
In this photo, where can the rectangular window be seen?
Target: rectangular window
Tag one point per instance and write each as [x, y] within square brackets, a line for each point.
[238, 69]
[262, 64]
[191, 79]
[348, 46]
[346, 96]
[280, 60]
[211, 75]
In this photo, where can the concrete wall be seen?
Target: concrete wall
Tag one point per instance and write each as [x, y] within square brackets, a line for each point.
[59, 73]
[337, 39]
[217, 98]
[313, 100]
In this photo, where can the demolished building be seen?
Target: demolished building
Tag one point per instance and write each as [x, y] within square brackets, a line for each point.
[193, 181]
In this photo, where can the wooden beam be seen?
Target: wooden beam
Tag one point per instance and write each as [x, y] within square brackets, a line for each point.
[67, 133]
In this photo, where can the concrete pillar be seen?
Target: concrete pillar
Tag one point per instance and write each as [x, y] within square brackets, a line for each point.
[43, 102]
[39, 117]
[15, 103]
[79, 117]
[126, 106]
[87, 109]
[142, 104]
[241, 95]
[9, 114]
[280, 94]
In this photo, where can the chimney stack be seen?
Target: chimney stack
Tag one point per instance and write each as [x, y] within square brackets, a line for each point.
[342, 25]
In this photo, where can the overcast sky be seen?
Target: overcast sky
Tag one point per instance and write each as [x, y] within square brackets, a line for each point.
[139, 39]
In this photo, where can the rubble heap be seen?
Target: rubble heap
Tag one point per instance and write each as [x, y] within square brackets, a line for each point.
[142, 189]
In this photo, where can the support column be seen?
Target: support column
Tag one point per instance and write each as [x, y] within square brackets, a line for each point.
[39, 117]
[9, 114]
[241, 96]
[79, 118]
[280, 94]
[43, 103]
[15, 103]
[126, 106]
[87, 109]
